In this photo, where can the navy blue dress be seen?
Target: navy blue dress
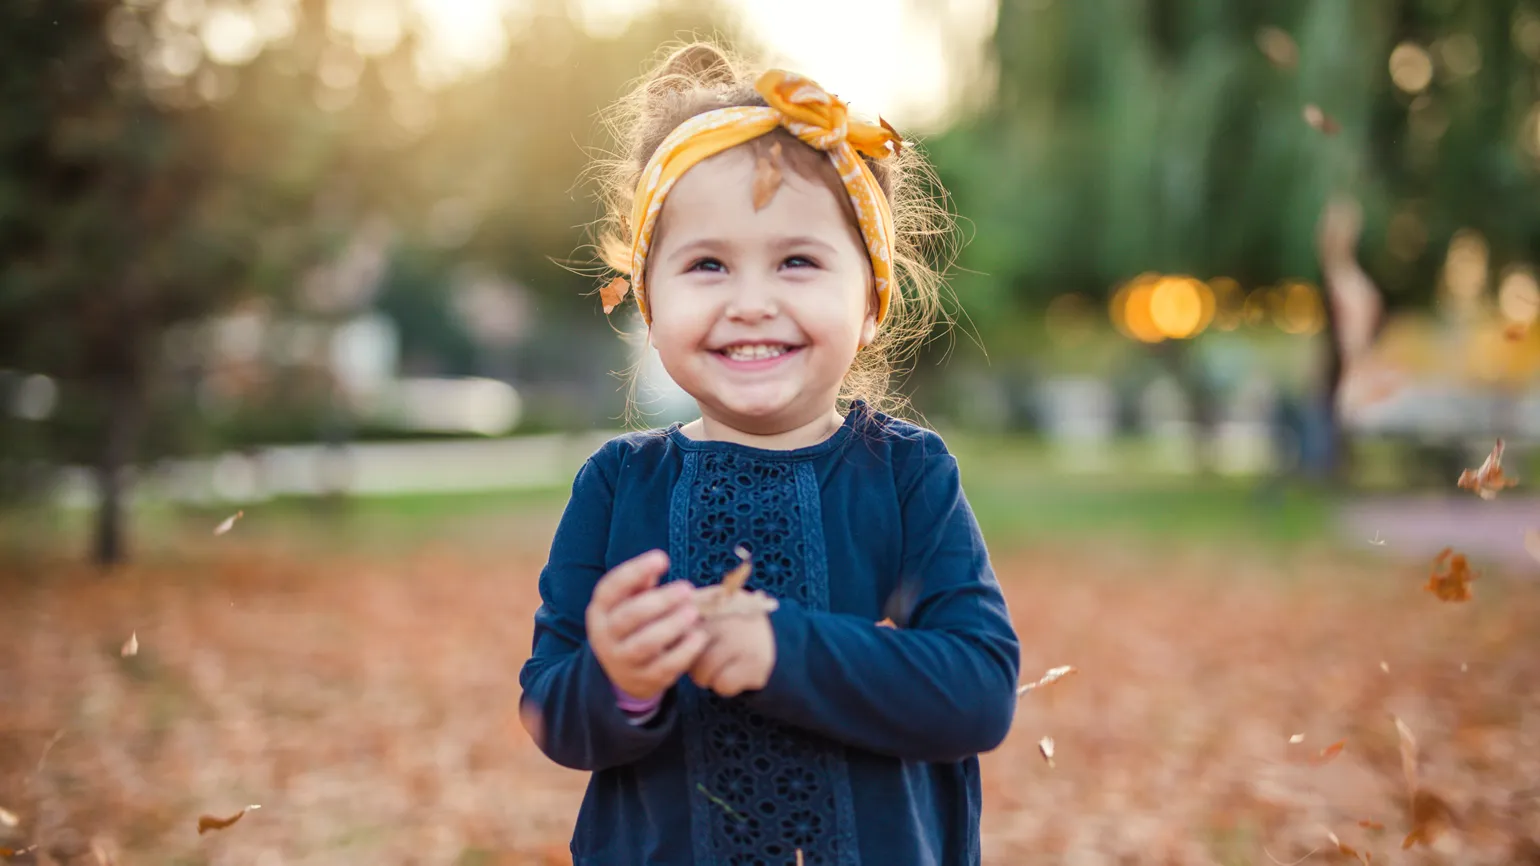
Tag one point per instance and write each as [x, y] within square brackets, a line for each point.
[862, 747]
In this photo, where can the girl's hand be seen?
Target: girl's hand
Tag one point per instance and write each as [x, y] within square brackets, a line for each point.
[645, 636]
[739, 657]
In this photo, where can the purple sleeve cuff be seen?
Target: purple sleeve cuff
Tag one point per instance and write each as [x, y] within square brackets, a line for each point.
[636, 706]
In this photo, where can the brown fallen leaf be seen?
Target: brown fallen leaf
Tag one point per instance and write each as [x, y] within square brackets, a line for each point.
[1451, 576]
[1320, 120]
[1327, 754]
[1431, 816]
[730, 598]
[1045, 746]
[613, 293]
[1053, 676]
[228, 522]
[209, 822]
[130, 646]
[1489, 479]
[1278, 47]
[1347, 850]
[767, 176]
[897, 144]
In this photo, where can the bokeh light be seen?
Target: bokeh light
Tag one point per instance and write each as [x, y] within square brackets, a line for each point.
[1410, 67]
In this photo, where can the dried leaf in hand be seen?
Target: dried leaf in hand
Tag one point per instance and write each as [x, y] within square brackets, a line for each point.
[209, 822]
[729, 598]
[1489, 479]
[8, 818]
[1451, 576]
[1278, 46]
[130, 646]
[1053, 676]
[1321, 121]
[1431, 816]
[1347, 850]
[767, 176]
[613, 293]
[1045, 746]
[228, 522]
[1327, 754]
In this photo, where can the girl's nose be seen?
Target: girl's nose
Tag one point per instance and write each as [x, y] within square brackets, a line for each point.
[752, 304]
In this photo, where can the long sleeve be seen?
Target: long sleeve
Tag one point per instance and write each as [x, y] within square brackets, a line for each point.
[580, 725]
[939, 689]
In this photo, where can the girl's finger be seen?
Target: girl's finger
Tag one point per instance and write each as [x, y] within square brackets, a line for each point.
[651, 638]
[671, 665]
[635, 575]
[649, 607]
[709, 667]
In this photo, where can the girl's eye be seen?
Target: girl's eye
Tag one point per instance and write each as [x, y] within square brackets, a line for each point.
[799, 262]
[708, 265]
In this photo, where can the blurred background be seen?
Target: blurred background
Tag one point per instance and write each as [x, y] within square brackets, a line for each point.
[1244, 288]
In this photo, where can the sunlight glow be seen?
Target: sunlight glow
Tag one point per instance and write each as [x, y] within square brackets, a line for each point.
[459, 37]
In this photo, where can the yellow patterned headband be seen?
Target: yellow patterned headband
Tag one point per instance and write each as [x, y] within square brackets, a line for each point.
[816, 118]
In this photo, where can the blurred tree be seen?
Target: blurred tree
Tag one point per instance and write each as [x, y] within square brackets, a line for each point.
[1170, 136]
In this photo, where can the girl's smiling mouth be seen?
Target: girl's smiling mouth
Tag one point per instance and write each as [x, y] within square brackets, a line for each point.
[756, 356]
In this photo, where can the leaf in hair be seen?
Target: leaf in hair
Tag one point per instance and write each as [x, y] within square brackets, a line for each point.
[767, 176]
[613, 293]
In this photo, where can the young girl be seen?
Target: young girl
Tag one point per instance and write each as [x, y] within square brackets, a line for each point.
[769, 243]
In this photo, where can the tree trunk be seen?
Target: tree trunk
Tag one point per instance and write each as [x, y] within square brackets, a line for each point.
[119, 441]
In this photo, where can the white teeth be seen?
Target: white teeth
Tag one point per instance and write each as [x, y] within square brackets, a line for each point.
[754, 352]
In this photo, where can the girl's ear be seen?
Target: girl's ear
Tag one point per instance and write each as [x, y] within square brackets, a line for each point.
[868, 330]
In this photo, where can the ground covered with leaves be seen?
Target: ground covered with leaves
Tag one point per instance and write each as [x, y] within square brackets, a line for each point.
[368, 704]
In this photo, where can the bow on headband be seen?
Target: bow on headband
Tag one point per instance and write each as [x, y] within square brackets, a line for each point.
[816, 118]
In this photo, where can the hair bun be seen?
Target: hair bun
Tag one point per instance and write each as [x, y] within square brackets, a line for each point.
[699, 63]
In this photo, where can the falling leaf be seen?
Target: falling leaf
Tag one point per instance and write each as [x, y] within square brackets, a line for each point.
[1347, 850]
[1045, 746]
[8, 818]
[224, 527]
[1532, 542]
[1327, 754]
[1515, 331]
[1320, 120]
[767, 176]
[730, 598]
[209, 822]
[613, 293]
[1451, 576]
[1489, 479]
[1408, 754]
[1048, 679]
[1376, 540]
[130, 646]
[1297, 738]
[1278, 46]
[1370, 825]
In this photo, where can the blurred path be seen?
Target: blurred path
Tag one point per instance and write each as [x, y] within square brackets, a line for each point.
[1418, 528]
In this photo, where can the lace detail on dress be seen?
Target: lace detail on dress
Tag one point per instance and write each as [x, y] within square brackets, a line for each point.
[772, 788]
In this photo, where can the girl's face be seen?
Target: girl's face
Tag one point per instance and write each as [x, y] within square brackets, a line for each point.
[757, 314]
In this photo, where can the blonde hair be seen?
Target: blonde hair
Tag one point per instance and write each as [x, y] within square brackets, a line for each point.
[701, 76]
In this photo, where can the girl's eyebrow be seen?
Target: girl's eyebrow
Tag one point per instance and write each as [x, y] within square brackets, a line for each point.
[713, 244]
